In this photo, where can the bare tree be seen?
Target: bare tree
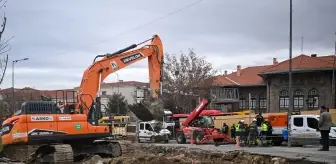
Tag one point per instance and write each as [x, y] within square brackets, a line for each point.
[4, 46]
[186, 78]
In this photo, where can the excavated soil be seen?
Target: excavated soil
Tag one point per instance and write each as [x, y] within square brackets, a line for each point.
[151, 154]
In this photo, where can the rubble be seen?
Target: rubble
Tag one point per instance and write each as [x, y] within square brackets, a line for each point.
[135, 153]
[152, 154]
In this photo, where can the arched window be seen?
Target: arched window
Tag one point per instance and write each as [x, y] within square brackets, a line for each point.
[284, 99]
[262, 101]
[242, 102]
[298, 99]
[253, 103]
[313, 98]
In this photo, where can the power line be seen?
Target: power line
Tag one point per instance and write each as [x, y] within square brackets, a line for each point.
[146, 24]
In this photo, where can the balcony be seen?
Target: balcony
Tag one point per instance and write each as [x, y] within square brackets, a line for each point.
[225, 95]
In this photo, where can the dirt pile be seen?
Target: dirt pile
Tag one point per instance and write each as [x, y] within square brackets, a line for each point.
[151, 154]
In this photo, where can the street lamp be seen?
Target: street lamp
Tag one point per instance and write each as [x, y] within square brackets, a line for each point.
[13, 90]
[290, 109]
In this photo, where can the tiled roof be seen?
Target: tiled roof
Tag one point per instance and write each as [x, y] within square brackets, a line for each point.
[128, 83]
[251, 75]
[302, 62]
[36, 93]
[248, 76]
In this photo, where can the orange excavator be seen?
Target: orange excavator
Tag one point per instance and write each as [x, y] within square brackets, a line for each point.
[41, 131]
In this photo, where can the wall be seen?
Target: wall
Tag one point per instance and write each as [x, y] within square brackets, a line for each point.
[256, 92]
[304, 81]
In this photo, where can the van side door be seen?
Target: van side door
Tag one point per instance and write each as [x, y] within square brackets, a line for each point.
[297, 128]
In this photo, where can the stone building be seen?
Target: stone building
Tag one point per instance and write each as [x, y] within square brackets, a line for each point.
[265, 88]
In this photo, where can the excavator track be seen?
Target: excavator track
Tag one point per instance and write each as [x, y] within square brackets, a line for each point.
[62, 154]
[40, 153]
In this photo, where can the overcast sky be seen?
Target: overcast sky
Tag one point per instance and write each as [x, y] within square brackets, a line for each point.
[61, 37]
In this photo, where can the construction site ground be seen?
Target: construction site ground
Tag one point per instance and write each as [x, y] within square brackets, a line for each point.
[310, 153]
[172, 153]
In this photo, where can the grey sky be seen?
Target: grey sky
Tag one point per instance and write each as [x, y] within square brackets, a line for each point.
[62, 37]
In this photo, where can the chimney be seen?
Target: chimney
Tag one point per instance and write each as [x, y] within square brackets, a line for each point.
[238, 70]
[313, 55]
[275, 61]
[225, 72]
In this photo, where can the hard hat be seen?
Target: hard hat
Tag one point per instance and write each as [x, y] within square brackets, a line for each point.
[254, 119]
[241, 120]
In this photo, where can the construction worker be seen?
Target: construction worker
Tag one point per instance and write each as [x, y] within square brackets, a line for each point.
[225, 129]
[245, 134]
[259, 119]
[233, 131]
[253, 133]
[239, 132]
[263, 132]
[269, 133]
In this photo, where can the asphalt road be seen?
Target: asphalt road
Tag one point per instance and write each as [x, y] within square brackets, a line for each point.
[288, 152]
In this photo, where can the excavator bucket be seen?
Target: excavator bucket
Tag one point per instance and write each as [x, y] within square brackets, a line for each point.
[148, 110]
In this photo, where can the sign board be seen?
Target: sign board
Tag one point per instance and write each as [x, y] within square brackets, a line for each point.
[42, 118]
[64, 118]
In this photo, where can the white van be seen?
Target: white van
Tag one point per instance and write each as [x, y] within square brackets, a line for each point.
[304, 130]
[152, 131]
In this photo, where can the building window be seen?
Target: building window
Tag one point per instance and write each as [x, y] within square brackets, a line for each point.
[284, 99]
[140, 93]
[313, 98]
[242, 102]
[262, 101]
[298, 99]
[253, 102]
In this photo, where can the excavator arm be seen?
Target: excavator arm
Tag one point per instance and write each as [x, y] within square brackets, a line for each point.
[110, 63]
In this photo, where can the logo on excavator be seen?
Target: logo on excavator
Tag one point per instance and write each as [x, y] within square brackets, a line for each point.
[131, 58]
[114, 65]
[42, 118]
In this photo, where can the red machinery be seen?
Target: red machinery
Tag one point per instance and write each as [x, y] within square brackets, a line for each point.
[197, 133]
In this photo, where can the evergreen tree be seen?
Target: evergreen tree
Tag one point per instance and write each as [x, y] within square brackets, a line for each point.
[117, 104]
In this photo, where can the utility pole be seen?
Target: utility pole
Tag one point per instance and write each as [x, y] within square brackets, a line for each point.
[332, 95]
[13, 90]
[290, 109]
[249, 107]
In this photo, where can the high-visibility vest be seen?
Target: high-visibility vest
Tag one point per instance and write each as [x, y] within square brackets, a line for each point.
[264, 127]
[237, 127]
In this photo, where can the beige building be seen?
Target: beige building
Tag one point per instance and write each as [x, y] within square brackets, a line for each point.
[132, 90]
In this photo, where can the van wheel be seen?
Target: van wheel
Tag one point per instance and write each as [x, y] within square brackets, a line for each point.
[180, 138]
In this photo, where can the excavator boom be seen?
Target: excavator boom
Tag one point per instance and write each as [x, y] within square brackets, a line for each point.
[99, 70]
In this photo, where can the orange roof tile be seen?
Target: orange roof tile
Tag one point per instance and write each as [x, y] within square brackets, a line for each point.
[248, 76]
[302, 62]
